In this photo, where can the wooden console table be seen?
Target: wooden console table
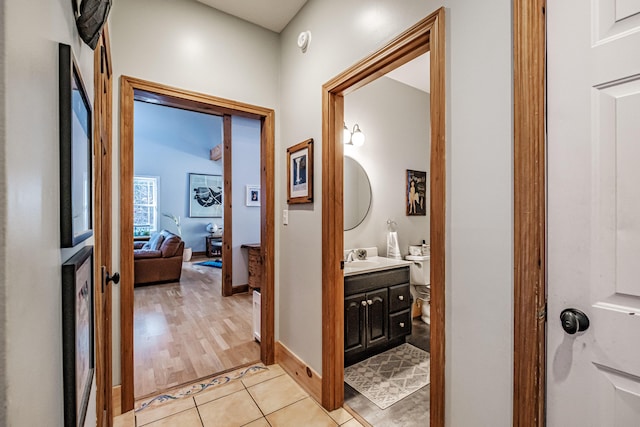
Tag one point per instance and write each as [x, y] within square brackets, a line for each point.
[255, 264]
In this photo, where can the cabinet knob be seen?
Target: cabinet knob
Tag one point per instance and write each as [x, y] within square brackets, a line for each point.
[402, 324]
[364, 303]
[369, 302]
[401, 297]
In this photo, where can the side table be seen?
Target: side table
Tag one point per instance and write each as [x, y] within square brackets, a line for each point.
[214, 246]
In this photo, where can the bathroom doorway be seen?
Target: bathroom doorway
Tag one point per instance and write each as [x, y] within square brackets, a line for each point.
[159, 94]
[386, 211]
[426, 36]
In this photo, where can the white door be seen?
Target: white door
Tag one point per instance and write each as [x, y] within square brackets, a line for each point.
[593, 377]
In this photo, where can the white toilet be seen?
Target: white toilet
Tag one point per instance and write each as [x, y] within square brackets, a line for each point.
[420, 272]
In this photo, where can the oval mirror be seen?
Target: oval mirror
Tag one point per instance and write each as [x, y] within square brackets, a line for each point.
[357, 193]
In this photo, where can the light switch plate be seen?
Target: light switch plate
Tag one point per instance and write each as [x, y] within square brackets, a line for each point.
[285, 217]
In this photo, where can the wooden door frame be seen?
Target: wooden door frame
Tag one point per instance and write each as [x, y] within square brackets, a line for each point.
[102, 222]
[132, 88]
[227, 238]
[529, 162]
[426, 36]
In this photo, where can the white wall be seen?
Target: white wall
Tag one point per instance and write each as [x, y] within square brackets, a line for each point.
[171, 143]
[3, 226]
[31, 324]
[185, 44]
[245, 170]
[479, 227]
[397, 139]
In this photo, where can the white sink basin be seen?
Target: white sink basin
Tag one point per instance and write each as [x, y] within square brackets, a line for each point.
[372, 264]
[361, 264]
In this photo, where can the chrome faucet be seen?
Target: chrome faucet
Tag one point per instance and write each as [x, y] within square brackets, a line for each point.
[350, 255]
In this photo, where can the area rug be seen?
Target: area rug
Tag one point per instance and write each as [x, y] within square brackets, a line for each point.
[216, 263]
[391, 376]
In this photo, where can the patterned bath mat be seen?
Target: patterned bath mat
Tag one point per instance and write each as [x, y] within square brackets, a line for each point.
[391, 376]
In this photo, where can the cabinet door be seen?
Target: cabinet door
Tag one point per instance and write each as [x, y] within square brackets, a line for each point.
[377, 317]
[354, 317]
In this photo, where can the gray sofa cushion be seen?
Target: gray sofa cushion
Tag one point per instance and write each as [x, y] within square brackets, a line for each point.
[154, 243]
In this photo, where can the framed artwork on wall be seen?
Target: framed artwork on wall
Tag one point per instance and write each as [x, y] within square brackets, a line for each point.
[300, 173]
[253, 195]
[416, 193]
[77, 335]
[75, 152]
[205, 196]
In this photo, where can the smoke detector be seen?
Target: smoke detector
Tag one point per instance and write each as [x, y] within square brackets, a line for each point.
[304, 38]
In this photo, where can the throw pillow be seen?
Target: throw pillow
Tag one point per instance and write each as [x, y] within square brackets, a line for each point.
[155, 242]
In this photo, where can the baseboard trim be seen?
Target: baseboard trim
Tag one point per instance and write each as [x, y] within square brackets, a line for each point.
[239, 289]
[357, 416]
[306, 377]
[116, 400]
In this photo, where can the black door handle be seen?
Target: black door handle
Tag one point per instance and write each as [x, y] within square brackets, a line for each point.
[573, 321]
[115, 278]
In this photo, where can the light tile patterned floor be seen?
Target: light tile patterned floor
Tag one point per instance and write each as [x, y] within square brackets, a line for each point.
[252, 397]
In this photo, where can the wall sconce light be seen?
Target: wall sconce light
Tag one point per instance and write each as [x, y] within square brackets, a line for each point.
[353, 137]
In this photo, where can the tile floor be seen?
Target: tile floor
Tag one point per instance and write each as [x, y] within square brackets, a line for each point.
[265, 397]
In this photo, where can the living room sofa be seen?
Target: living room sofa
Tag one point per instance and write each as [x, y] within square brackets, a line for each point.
[159, 259]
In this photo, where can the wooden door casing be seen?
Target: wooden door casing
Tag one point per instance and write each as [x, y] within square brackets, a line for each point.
[529, 212]
[137, 89]
[102, 214]
[428, 35]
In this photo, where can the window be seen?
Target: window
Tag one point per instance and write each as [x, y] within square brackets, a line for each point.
[145, 205]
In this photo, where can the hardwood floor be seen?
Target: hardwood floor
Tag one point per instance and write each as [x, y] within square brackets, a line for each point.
[184, 331]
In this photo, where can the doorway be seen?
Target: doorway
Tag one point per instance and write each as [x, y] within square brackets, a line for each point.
[132, 89]
[376, 210]
[425, 36]
[185, 327]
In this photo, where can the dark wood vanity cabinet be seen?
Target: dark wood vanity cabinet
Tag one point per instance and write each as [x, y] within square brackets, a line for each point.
[377, 313]
[354, 324]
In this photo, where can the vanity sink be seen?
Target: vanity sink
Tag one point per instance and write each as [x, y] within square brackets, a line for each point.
[361, 264]
[374, 263]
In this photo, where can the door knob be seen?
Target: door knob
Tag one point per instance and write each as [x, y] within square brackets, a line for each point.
[115, 278]
[573, 321]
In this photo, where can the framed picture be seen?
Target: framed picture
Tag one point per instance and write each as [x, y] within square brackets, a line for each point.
[253, 195]
[75, 153]
[205, 196]
[77, 335]
[300, 172]
[416, 192]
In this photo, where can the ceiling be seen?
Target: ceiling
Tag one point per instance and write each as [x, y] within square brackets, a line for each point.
[414, 73]
[274, 15]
